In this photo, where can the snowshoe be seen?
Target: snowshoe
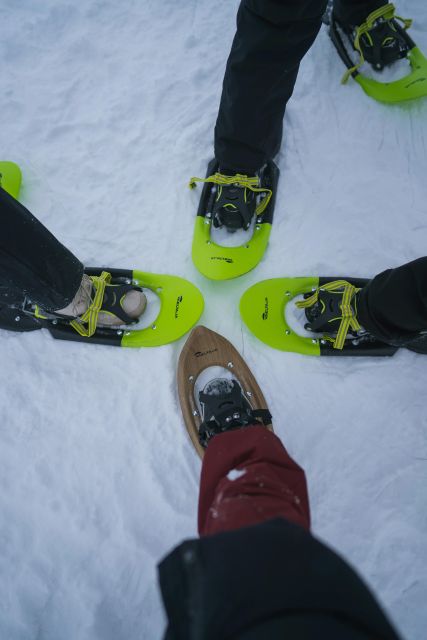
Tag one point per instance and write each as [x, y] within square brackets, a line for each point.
[10, 177]
[233, 202]
[380, 41]
[216, 388]
[330, 310]
[177, 303]
[181, 305]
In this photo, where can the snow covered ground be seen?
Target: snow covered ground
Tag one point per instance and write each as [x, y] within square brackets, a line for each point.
[109, 108]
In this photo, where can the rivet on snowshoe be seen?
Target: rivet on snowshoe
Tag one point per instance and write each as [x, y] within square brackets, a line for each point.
[288, 333]
[249, 394]
[236, 415]
[119, 332]
[153, 326]
[288, 294]
[230, 365]
[190, 378]
[17, 319]
[195, 412]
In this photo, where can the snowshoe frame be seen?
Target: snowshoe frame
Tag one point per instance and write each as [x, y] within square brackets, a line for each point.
[222, 263]
[205, 348]
[263, 308]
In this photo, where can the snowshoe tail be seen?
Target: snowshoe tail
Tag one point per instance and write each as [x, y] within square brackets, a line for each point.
[10, 177]
[217, 262]
[263, 310]
[13, 319]
[205, 348]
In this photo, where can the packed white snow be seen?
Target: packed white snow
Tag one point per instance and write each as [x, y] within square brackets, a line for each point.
[109, 109]
[235, 474]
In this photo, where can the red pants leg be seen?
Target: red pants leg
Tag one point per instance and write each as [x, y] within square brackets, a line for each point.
[248, 477]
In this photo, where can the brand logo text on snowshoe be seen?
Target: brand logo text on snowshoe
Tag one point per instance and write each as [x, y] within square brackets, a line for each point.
[415, 82]
[199, 354]
[178, 302]
[265, 314]
[229, 260]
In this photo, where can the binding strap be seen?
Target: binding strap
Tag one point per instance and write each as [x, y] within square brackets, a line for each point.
[90, 316]
[238, 180]
[348, 317]
[387, 13]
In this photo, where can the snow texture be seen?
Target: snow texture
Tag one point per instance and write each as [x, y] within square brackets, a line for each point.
[234, 474]
[109, 108]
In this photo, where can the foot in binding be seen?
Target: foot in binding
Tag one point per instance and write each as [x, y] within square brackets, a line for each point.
[237, 199]
[379, 40]
[332, 310]
[224, 408]
[98, 303]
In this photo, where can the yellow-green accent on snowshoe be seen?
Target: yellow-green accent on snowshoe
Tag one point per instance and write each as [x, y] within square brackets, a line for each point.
[262, 308]
[411, 86]
[10, 178]
[222, 263]
[181, 307]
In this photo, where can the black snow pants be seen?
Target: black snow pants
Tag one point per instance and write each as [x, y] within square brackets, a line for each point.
[33, 262]
[271, 39]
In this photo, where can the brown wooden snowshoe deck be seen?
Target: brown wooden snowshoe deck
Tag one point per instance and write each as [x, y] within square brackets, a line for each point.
[205, 348]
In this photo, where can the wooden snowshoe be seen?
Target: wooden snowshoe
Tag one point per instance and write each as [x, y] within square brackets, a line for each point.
[205, 348]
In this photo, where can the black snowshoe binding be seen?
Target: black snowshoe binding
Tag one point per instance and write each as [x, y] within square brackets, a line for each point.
[234, 205]
[332, 311]
[237, 198]
[325, 315]
[380, 40]
[224, 407]
[23, 315]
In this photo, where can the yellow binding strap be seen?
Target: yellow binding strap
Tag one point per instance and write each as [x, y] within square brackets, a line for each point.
[348, 317]
[239, 180]
[90, 317]
[387, 12]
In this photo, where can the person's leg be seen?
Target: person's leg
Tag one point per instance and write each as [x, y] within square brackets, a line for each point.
[248, 477]
[271, 39]
[393, 306]
[354, 12]
[32, 261]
